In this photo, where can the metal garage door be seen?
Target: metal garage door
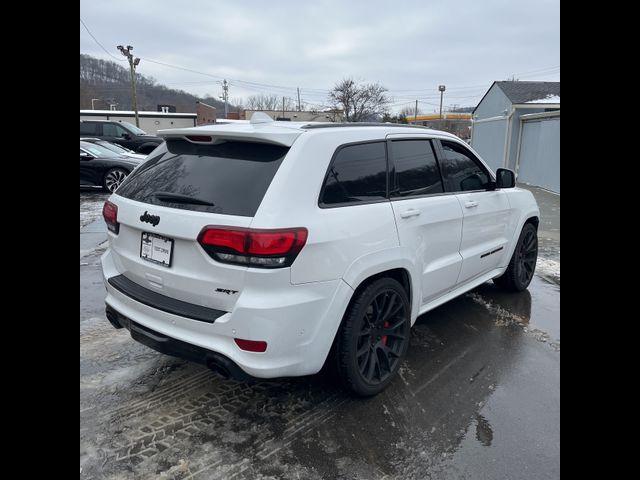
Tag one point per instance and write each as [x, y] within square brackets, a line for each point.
[488, 139]
[539, 159]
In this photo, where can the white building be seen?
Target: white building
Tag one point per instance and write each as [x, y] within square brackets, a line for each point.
[150, 122]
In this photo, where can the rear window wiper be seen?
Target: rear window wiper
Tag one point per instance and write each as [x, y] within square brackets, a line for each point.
[178, 198]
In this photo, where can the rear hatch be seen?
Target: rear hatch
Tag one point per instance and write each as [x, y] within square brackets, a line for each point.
[165, 203]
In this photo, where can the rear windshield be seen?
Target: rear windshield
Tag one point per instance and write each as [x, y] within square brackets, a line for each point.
[229, 178]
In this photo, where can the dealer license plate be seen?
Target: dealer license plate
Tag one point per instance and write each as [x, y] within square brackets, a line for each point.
[156, 248]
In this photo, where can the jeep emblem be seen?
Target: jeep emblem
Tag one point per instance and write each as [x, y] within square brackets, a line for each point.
[152, 219]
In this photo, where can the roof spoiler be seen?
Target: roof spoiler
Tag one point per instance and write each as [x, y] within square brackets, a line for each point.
[262, 129]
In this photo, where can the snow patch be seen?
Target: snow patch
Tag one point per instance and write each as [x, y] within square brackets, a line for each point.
[505, 318]
[548, 99]
[91, 208]
[97, 249]
[548, 268]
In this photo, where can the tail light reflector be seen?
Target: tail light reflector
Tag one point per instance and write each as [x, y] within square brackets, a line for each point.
[251, 345]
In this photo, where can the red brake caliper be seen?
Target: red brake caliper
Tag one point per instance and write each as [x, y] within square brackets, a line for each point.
[384, 337]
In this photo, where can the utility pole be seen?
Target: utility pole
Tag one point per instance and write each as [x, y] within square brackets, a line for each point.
[133, 63]
[283, 108]
[225, 97]
[299, 107]
[442, 88]
[415, 116]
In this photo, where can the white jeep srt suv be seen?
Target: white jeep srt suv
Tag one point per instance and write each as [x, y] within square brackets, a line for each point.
[266, 249]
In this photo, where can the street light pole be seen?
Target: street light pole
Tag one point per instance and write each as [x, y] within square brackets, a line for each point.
[92, 105]
[133, 63]
[442, 88]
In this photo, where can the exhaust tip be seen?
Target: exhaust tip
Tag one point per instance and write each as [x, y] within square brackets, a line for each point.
[216, 366]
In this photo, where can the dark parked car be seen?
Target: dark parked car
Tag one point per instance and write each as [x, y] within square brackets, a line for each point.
[118, 149]
[122, 133]
[101, 167]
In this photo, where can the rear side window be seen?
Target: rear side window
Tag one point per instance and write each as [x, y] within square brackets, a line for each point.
[357, 174]
[229, 178]
[89, 129]
[416, 169]
[461, 170]
[111, 130]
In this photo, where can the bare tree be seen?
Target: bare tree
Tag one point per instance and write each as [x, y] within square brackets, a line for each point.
[238, 105]
[359, 102]
[409, 112]
[269, 102]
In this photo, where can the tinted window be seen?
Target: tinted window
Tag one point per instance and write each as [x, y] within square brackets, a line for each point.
[358, 174]
[97, 150]
[416, 169]
[114, 147]
[89, 129]
[112, 130]
[233, 176]
[133, 129]
[461, 170]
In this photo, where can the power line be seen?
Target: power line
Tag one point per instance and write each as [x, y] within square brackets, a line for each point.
[182, 68]
[538, 70]
[409, 94]
[237, 81]
[96, 40]
[543, 76]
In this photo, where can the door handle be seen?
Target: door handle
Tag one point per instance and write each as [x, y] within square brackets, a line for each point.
[412, 212]
[471, 204]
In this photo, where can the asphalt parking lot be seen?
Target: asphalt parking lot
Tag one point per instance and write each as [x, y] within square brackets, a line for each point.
[477, 397]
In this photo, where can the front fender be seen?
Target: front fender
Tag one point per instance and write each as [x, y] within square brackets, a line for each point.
[521, 220]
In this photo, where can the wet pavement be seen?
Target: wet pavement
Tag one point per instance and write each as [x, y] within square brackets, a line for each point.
[478, 397]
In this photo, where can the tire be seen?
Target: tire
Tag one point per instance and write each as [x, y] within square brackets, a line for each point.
[522, 266]
[113, 178]
[373, 338]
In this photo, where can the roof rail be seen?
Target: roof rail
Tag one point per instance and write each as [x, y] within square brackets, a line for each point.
[360, 124]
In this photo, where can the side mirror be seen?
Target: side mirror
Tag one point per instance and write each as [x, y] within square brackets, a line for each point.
[505, 178]
[86, 156]
[126, 136]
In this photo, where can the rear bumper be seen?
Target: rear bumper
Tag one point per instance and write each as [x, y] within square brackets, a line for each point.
[177, 348]
[298, 322]
[162, 302]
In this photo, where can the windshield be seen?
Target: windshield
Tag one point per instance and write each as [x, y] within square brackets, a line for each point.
[133, 128]
[97, 150]
[114, 147]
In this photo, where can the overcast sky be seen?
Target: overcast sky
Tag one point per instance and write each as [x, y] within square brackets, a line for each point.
[272, 47]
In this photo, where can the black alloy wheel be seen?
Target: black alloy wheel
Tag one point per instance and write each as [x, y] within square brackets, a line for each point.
[374, 337]
[522, 265]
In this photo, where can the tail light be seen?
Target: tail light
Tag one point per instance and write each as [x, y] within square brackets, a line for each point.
[110, 214]
[253, 247]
